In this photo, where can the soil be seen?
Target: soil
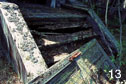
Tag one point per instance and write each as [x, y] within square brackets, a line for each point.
[7, 74]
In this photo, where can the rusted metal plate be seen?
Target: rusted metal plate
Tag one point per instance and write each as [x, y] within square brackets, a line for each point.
[85, 64]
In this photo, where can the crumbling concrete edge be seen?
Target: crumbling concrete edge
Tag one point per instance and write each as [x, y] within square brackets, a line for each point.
[24, 53]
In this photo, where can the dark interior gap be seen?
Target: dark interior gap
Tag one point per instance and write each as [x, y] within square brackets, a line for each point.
[65, 30]
[43, 2]
[53, 50]
[49, 52]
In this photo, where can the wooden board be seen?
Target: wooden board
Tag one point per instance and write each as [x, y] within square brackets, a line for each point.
[50, 18]
[82, 69]
[53, 25]
[105, 33]
[44, 39]
[98, 26]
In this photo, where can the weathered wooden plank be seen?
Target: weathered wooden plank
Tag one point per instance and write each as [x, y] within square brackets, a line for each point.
[47, 13]
[23, 51]
[106, 37]
[49, 18]
[101, 38]
[65, 74]
[56, 25]
[54, 22]
[52, 16]
[83, 67]
[57, 38]
[111, 41]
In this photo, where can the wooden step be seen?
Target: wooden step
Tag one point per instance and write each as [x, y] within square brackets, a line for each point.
[74, 58]
[87, 61]
[106, 38]
[51, 18]
[45, 39]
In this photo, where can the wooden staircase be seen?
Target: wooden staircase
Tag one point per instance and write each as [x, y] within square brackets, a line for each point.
[58, 45]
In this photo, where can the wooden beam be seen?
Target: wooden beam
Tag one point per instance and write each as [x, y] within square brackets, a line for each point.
[44, 17]
[106, 37]
[56, 25]
[91, 59]
[59, 38]
[110, 39]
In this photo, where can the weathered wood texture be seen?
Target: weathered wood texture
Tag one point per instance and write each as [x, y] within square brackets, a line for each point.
[105, 33]
[26, 57]
[45, 39]
[83, 69]
[38, 16]
[98, 26]
[56, 46]
[23, 51]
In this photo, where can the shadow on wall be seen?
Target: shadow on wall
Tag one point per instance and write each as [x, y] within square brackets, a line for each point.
[3, 41]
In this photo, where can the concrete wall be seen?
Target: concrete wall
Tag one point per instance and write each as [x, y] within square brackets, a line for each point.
[23, 51]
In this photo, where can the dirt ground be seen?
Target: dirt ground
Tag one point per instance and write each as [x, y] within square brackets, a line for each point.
[7, 74]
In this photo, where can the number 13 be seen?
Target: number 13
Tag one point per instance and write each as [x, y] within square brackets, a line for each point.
[117, 75]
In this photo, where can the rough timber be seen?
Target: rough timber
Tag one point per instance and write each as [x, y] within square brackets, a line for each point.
[98, 27]
[42, 18]
[49, 18]
[84, 69]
